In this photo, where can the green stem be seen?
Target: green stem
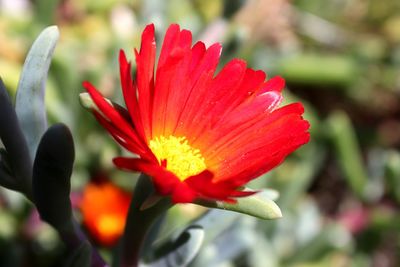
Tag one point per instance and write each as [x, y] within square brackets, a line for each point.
[138, 224]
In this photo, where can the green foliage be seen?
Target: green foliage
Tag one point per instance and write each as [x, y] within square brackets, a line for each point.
[348, 151]
[259, 205]
[319, 69]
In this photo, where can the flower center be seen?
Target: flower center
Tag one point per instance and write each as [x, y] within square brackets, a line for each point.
[182, 159]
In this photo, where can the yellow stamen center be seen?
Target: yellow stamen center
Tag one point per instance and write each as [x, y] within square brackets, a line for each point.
[182, 159]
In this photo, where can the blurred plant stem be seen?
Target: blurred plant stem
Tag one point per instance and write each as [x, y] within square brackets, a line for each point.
[139, 223]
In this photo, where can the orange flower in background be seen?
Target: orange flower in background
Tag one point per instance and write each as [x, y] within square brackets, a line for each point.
[104, 209]
[196, 133]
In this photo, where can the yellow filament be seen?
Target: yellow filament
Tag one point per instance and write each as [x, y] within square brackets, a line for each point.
[182, 159]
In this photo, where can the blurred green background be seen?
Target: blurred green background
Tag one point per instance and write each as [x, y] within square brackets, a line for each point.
[340, 194]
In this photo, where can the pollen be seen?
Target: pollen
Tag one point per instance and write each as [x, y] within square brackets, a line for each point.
[182, 159]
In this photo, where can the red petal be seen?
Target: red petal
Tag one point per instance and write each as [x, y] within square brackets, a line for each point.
[172, 73]
[166, 90]
[115, 118]
[276, 83]
[183, 193]
[170, 39]
[216, 96]
[261, 160]
[252, 82]
[164, 181]
[123, 139]
[199, 82]
[205, 187]
[261, 104]
[208, 62]
[244, 133]
[145, 61]
[198, 52]
[129, 92]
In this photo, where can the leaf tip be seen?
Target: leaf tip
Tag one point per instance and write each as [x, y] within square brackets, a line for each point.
[52, 31]
[85, 100]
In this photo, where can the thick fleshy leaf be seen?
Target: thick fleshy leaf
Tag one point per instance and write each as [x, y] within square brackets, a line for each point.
[181, 251]
[52, 171]
[80, 257]
[214, 223]
[17, 156]
[6, 177]
[236, 238]
[29, 103]
[258, 205]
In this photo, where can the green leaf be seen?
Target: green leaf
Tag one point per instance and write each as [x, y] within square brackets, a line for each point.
[258, 205]
[348, 151]
[317, 69]
[392, 173]
[29, 104]
[228, 234]
[182, 250]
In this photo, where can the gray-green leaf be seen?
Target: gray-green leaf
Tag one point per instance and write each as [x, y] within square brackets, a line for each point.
[81, 256]
[182, 250]
[259, 205]
[29, 104]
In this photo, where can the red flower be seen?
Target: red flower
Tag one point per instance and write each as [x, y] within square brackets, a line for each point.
[104, 209]
[197, 134]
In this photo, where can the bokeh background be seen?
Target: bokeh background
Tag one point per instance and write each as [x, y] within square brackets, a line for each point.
[340, 194]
